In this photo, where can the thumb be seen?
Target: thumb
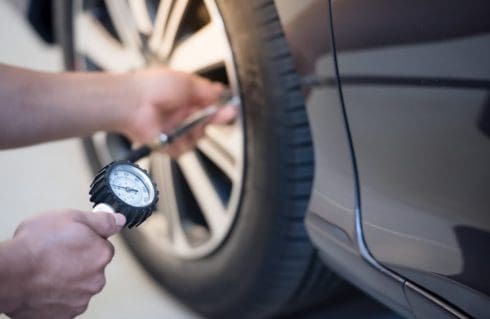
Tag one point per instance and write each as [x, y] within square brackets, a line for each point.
[104, 224]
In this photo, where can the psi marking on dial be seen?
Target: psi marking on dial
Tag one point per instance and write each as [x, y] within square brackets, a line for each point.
[129, 187]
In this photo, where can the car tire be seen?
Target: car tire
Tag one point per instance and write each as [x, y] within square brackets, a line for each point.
[267, 264]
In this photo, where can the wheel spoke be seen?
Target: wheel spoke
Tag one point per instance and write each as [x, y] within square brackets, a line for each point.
[156, 227]
[124, 23]
[144, 163]
[141, 16]
[219, 157]
[227, 138]
[161, 19]
[204, 192]
[203, 50]
[174, 18]
[161, 167]
[102, 48]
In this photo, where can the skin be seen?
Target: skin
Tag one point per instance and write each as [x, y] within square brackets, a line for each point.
[39, 107]
[55, 262]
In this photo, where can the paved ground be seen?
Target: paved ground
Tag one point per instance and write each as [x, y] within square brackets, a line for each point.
[54, 175]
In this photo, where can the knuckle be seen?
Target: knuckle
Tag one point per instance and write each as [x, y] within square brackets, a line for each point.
[79, 305]
[78, 216]
[107, 252]
[78, 310]
[85, 301]
[111, 249]
[75, 214]
[109, 224]
[97, 285]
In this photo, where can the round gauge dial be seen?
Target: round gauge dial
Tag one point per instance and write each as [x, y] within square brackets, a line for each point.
[130, 186]
[126, 188]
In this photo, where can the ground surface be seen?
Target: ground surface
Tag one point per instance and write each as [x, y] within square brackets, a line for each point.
[55, 175]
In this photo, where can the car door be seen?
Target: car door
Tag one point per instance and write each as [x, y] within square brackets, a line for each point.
[415, 79]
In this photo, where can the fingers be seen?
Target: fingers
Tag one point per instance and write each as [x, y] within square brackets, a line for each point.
[205, 92]
[181, 146]
[104, 224]
[189, 141]
[171, 96]
[187, 90]
[225, 115]
[186, 142]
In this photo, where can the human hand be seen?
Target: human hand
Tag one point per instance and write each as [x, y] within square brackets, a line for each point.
[165, 99]
[66, 254]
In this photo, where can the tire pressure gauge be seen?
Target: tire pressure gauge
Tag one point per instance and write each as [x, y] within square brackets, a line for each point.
[125, 188]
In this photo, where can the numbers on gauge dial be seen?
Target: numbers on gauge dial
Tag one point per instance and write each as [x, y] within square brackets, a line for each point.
[129, 188]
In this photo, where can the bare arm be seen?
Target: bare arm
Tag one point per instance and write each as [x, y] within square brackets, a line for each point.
[38, 106]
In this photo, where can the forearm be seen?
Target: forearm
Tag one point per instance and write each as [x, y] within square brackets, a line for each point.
[39, 107]
[14, 270]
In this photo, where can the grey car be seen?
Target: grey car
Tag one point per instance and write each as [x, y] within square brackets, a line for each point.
[361, 152]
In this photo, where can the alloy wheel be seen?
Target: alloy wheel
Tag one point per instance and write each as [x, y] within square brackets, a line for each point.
[201, 190]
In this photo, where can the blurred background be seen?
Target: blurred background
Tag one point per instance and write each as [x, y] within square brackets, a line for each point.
[56, 175]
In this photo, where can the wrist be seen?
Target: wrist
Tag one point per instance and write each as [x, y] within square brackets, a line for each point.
[110, 99]
[127, 103]
[137, 114]
[15, 271]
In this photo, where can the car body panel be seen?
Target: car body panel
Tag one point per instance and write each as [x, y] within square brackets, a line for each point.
[416, 92]
[333, 195]
[331, 216]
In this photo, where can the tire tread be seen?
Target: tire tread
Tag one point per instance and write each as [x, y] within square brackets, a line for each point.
[315, 281]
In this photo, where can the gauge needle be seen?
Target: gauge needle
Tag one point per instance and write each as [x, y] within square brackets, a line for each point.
[127, 189]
